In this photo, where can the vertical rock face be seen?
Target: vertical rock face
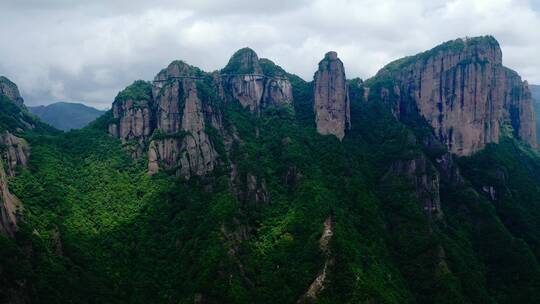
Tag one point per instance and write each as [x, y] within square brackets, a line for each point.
[9, 205]
[169, 118]
[10, 90]
[256, 83]
[520, 108]
[331, 97]
[133, 114]
[16, 151]
[185, 142]
[462, 89]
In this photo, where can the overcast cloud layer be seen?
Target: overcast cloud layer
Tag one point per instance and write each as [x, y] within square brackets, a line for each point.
[86, 51]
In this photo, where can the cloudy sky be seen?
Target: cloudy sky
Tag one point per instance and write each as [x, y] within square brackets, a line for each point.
[86, 51]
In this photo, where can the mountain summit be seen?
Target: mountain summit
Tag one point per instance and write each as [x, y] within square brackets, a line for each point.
[66, 115]
[462, 89]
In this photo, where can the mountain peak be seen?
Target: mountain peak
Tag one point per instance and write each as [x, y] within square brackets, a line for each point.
[178, 68]
[331, 55]
[11, 91]
[243, 61]
[331, 97]
[462, 89]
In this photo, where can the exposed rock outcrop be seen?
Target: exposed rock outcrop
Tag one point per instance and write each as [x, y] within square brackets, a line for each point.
[462, 89]
[167, 119]
[331, 97]
[186, 143]
[9, 206]
[15, 151]
[170, 117]
[11, 91]
[319, 284]
[256, 83]
[134, 118]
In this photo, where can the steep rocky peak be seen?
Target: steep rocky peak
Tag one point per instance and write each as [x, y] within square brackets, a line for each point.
[11, 91]
[332, 55]
[256, 83]
[178, 68]
[331, 97]
[243, 61]
[482, 49]
[462, 90]
[331, 60]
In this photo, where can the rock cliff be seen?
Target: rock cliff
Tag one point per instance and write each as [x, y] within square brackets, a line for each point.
[331, 97]
[463, 91]
[15, 151]
[256, 83]
[169, 120]
[9, 206]
[11, 91]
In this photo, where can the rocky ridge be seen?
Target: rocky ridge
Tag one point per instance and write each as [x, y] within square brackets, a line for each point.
[9, 206]
[11, 91]
[172, 119]
[463, 91]
[14, 152]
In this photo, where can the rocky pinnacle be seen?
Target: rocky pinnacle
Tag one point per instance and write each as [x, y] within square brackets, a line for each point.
[331, 97]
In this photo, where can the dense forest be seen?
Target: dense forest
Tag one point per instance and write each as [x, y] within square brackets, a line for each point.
[97, 228]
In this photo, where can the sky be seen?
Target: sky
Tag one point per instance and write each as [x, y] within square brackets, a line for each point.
[87, 51]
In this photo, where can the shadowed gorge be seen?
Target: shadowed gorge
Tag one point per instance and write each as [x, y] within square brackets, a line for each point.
[249, 184]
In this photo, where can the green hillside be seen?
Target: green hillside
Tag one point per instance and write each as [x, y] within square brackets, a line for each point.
[66, 116]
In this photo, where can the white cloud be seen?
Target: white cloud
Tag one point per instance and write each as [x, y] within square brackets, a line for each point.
[89, 50]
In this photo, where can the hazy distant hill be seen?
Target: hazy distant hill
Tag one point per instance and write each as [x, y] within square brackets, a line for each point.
[66, 116]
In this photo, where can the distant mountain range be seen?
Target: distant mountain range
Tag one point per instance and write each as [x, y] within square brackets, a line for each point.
[65, 115]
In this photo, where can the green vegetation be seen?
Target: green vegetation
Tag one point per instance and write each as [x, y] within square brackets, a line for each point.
[137, 91]
[269, 68]
[66, 116]
[15, 119]
[98, 229]
[453, 46]
[236, 64]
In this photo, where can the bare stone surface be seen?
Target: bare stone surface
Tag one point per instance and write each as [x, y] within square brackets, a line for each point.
[248, 90]
[11, 91]
[171, 125]
[16, 151]
[134, 123]
[186, 145]
[321, 280]
[465, 93]
[246, 81]
[331, 97]
[9, 206]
